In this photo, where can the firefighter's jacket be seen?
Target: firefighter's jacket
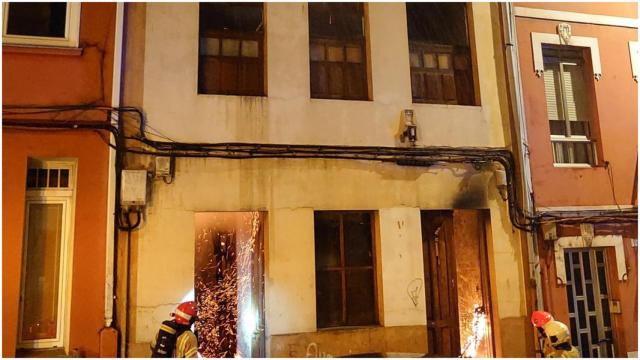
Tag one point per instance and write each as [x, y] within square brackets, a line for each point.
[186, 345]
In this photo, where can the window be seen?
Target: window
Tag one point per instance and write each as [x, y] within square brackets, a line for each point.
[568, 106]
[439, 55]
[231, 60]
[337, 51]
[344, 269]
[49, 199]
[48, 24]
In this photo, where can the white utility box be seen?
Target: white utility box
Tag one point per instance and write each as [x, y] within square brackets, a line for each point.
[133, 189]
[163, 166]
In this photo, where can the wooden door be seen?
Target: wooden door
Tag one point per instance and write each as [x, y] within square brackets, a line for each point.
[440, 283]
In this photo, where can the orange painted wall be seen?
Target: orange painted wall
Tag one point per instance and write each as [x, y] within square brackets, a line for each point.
[626, 291]
[34, 77]
[617, 115]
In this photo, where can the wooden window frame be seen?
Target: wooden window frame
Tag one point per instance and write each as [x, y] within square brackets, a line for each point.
[238, 60]
[67, 198]
[345, 66]
[343, 270]
[453, 51]
[71, 35]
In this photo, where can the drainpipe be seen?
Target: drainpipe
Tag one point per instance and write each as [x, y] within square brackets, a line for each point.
[517, 103]
[109, 335]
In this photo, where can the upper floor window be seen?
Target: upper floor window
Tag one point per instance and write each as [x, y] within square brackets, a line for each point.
[345, 290]
[231, 60]
[568, 105]
[439, 53]
[46, 24]
[337, 51]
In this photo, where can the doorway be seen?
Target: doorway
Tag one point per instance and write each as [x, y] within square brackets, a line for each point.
[229, 283]
[457, 284]
[588, 298]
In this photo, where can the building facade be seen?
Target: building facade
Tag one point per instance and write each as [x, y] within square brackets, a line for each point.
[578, 100]
[58, 65]
[356, 255]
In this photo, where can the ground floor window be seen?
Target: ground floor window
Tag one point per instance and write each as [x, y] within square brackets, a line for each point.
[345, 276]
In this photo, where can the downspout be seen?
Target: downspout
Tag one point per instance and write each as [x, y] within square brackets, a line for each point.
[517, 103]
[109, 335]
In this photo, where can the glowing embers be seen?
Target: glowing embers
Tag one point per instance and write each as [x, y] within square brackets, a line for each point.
[229, 284]
[478, 333]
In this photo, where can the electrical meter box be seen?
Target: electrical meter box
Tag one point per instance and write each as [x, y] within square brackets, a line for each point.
[133, 188]
[163, 166]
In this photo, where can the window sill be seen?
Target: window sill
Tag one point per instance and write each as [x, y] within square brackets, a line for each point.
[235, 95]
[41, 50]
[348, 328]
[446, 106]
[575, 166]
[336, 99]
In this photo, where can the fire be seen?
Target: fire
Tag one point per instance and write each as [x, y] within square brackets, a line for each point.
[479, 328]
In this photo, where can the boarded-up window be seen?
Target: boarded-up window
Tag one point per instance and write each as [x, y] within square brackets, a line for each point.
[344, 269]
[568, 107]
[439, 54]
[231, 49]
[337, 51]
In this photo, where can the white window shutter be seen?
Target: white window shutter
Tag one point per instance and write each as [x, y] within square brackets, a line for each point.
[575, 92]
[552, 92]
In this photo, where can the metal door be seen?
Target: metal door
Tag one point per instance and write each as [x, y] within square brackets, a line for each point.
[588, 297]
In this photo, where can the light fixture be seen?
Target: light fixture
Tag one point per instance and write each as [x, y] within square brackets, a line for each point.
[410, 128]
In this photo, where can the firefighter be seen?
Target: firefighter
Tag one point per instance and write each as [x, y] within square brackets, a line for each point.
[175, 338]
[560, 341]
[539, 319]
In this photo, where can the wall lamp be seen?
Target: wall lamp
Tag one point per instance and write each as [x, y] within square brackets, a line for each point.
[410, 132]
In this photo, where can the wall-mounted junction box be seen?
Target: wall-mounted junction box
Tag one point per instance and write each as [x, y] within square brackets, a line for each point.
[133, 189]
[163, 166]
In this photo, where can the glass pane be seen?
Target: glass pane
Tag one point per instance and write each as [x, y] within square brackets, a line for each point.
[209, 46]
[236, 17]
[567, 266]
[574, 331]
[584, 344]
[582, 153]
[605, 313]
[558, 127]
[437, 23]
[590, 297]
[414, 59]
[570, 297]
[53, 178]
[250, 48]
[575, 257]
[443, 61]
[354, 55]
[577, 281]
[37, 19]
[327, 239]
[340, 21]
[335, 53]
[579, 128]
[32, 178]
[586, 265]
[593, 325]
[430, 61]
[316, 52]
[582, 320]
[360, 297]
[42, 178]
[599, 257]
[64, 178]
[329, 298]
[602, 280]
[357, 239]
[230, 47]
[41, 282]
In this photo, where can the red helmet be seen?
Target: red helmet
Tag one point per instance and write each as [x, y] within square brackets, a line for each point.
[185, 312]
[540, 318]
